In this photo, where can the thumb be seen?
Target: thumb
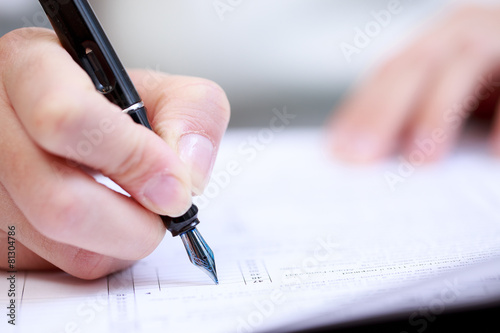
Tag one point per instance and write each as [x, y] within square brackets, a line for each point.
[190, 114]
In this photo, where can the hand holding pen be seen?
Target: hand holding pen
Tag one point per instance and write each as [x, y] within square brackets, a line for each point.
[55, 123]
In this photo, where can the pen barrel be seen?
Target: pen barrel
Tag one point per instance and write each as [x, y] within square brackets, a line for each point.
[83, 37]
[140, 117]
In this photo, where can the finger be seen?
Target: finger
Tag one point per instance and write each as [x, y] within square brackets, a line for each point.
[371, 122]
[75, 261]
[367, 125]
[453, 96]
[25, 259]
[64, 114]
[42, 253]
[67, 205]
[190, 114]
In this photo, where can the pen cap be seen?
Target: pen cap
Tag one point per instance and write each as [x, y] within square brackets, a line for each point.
[82, 36]
[182, 224]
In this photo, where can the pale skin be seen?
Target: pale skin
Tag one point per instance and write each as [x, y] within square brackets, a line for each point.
[47, 102]
[425, 92]
[62, 217]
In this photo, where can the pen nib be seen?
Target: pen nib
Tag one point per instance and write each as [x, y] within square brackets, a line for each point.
[200, 253]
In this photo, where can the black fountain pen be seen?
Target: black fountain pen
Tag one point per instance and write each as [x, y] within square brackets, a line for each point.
[82, 36]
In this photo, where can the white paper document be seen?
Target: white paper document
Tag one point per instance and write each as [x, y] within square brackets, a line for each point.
[299, 241]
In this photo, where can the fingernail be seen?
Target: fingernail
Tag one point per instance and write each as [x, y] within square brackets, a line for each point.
[197, 152]
[167, 194]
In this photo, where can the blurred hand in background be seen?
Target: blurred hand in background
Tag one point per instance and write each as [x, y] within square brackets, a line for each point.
[417, 101]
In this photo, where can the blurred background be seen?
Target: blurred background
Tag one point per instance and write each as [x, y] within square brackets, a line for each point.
[299, 54]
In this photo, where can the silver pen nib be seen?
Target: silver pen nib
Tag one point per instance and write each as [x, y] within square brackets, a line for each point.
[200, 253]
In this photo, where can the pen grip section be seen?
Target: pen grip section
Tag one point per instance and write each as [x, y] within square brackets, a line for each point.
[93, 63]
[182, 224]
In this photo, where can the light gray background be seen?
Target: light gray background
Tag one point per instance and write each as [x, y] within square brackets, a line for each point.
[265, 54]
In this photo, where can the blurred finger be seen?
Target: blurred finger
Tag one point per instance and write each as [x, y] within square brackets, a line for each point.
[455, 93]
[367, 125]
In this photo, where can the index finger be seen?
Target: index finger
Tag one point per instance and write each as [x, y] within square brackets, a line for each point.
[67, 117]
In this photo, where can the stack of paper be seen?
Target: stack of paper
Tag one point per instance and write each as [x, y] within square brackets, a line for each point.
[300, 241]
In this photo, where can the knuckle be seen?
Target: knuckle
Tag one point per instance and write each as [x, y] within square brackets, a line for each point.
[53, 116]
[221, 101]
[154, 234]
[192, 123]
[60, 216]
[133, 165]
[212, 96]
[9, 43]
[17, 39]
[89, 265]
